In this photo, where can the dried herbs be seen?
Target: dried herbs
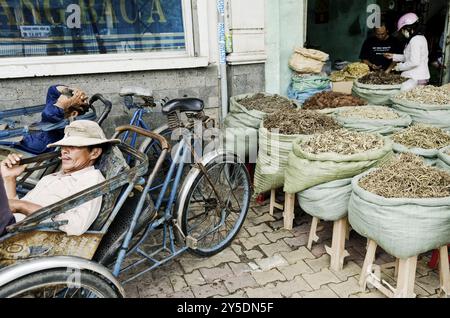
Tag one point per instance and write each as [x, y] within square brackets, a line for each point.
[369, 112]
[300, 122]
[343, 142]
[332, 100]
[350, 72]
[422, 136]
[430, 95]
[381, 78]
[407, 177]
[266, 104]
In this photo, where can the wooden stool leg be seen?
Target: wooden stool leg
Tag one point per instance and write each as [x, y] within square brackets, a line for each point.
[368, 261]
[272, 201]
[397, 265]
[444, 271]
[288, 215]
[349, 229]
[337, 250]
[406, 278]
[313, 233]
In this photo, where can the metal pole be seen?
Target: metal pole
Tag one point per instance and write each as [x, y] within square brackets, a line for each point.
[222, 60]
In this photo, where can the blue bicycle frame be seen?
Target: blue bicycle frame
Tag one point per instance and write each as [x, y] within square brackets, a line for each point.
[168, 243]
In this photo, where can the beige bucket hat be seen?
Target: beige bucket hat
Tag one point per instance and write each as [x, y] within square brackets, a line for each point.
[83, 133]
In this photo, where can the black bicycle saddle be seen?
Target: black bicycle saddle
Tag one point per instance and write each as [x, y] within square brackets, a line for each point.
[183, 105]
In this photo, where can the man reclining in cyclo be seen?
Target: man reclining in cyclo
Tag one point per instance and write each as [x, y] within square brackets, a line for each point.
[62, 102]
[82, 145]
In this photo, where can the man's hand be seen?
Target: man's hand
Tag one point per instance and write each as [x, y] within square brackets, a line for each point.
[79, 98]
[389, 56]
[376, 67]
[11, 168]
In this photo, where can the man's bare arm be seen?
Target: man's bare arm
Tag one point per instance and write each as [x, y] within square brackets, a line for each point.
[24, 207]
[391, 67]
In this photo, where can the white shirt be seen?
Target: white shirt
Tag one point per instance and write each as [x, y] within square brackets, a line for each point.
[58, 186]
[414, 61]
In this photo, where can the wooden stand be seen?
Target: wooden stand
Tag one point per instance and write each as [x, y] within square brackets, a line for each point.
[287, 208]
[337, 250]
[405, 274]
[288, 214]
[313, 238]
[444, 271]
[273, 203]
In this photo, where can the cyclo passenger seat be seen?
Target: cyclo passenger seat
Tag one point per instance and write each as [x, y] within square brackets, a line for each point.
[193, 105]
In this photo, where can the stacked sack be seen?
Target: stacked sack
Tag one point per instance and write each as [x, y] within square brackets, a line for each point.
[402, 206]
[378, 87]
[303, 86]
[308, 61]
[244, 120]
[372, 119]
[276, 135]
[444, 159]
[308, 80]
[421, 140]
[320, 169]
[425, 104]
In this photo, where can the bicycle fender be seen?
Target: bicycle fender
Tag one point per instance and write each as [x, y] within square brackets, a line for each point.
[16, 271]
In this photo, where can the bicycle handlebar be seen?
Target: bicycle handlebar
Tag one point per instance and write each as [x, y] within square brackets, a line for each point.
[106, 103]
[163, 141]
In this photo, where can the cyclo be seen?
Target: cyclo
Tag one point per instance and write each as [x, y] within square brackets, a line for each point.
[201, 212]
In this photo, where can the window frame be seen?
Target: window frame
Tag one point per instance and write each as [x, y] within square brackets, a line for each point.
[192, 57]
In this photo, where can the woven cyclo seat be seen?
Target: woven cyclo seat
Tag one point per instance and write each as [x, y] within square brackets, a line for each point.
[111, 164]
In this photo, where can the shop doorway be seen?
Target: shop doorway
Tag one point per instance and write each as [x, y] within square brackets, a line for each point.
[339, 28]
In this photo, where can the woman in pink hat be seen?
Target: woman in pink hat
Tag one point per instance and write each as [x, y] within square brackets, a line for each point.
[413, 63]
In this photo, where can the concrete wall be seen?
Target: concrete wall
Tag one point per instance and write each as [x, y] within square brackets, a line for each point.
[201, 83]
[285, 30]
[243, 79]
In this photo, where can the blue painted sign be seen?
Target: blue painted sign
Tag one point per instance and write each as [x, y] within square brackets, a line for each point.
[62, 27]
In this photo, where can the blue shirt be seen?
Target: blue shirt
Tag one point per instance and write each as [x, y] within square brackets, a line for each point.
[36, 142]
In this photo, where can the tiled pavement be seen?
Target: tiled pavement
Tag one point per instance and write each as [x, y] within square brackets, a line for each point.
[266, 261]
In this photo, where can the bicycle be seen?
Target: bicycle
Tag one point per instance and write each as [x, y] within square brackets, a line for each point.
[202, 216]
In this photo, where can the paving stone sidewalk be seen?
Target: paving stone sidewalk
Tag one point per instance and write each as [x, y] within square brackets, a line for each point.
[266, 261]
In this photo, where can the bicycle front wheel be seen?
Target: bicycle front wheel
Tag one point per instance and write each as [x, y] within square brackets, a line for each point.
[212, 217]
[60, 283]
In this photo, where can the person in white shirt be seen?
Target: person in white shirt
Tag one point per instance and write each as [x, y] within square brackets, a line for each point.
[81, 147]
[413, 63]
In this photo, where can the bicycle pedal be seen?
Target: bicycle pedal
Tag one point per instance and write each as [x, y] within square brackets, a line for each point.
[191, 242]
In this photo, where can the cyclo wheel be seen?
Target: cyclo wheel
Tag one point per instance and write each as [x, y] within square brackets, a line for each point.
[59, 283]
[212, 226]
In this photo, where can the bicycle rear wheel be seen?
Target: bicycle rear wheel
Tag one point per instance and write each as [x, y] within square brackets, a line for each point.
[211, 224]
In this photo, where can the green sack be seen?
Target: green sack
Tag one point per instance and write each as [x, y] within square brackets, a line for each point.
[402, 227]
[381, 126]
[376, 94]
[274, 150]
[243, 142]
[242, 125]
[444, 159]
[307, 83]
[328, 201]
[436, 115]
[306, 170]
